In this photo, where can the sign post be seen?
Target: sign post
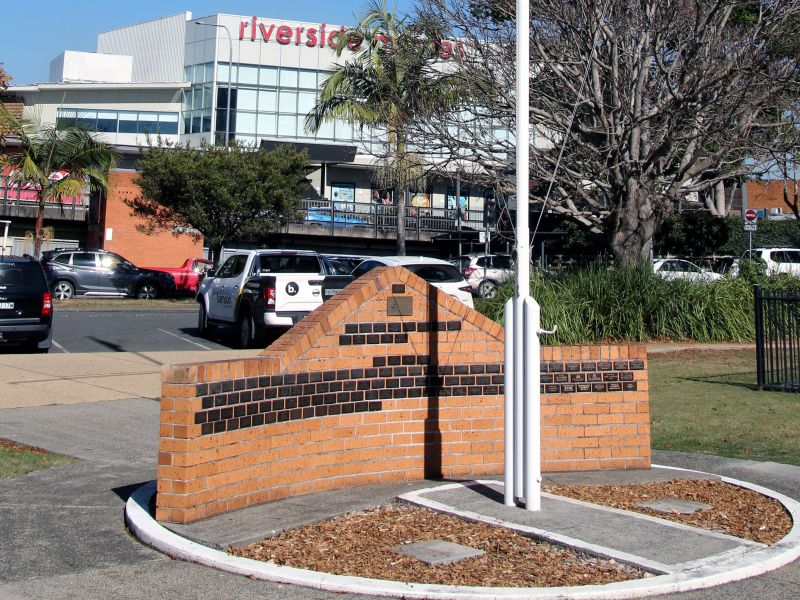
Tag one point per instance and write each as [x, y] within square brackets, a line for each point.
[750, 225]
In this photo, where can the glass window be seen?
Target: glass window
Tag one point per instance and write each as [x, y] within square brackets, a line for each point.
[187, 72]
[207, 92]
[197, 121]
[222, 72]
[365, 267]
[84, 259]
[436, 273]
[267, 100]
[289, 78]
[344, 131]
[205, 120]
[87, 119]
[268, 76]
[287, 125]
[197, 98]
[247, 100]
[168, 123]
[208, 72]
[110, 261]
[65, 118]
[62, 259]
[287, 101]
[308, 79]
[127, 122]
[187, 99]
[267, 124]
[107, 121]
[306, 102]
[148, 123]
[248, 74]
[187, 122]
[246, 122]
[326, 131]
[502, 262]
[301, 127]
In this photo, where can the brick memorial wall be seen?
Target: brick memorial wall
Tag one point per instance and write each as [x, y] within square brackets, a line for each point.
[390, 380]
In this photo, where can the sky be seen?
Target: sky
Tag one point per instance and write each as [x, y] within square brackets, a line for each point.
[34, 34]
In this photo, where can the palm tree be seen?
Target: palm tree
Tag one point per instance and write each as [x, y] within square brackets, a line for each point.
[44, 150]
[384, 85]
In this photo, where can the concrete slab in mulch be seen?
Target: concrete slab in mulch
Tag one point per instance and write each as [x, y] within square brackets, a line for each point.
[438, 552]
[673, 505]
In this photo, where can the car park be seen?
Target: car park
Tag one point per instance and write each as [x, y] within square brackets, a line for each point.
[26, 306]
[485, 272]
[439, 273]
[89, 272]
[677, 269]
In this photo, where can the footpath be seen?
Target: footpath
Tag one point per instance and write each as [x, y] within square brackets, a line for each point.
[62, 533]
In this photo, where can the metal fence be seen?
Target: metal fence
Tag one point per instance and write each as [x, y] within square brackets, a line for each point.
[777, 341]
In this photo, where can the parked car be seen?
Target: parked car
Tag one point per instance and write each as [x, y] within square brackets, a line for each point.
[484, 272]
[88, 272]
[189, 275]
[26, 306]
[439, 273]
[673, 269]
[779, 260]
[344, 264]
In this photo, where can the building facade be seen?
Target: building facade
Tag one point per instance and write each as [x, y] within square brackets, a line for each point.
[253, 80]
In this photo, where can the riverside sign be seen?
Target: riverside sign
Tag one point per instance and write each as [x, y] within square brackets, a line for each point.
[323, 35]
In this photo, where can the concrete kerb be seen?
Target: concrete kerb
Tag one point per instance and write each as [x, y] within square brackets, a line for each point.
[748, 561]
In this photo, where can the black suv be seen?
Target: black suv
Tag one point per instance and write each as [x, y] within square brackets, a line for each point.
[26, 307]
[100, 273]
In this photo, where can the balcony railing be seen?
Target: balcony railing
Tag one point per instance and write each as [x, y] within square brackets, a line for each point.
[381, 218]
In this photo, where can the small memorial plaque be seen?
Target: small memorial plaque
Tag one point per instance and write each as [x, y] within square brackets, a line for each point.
[551, 388]
[584, 387]
[627, 376]
[594, 377]
[589, 366]
[610, 376]
[556, 367]
[568, 388]
[629, 386]
[399, 306]
[614, 387]
[604, 365]
[573, 367]
[561, 378]
[545, 378]
[636, 365]
[438, 552]
[577, 377]
[544, 367]
[598, 387]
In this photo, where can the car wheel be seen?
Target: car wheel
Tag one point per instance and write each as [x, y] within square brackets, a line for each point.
[63, 290]
[147, 291]
[245, 330]
[487, 289]
[202, 322]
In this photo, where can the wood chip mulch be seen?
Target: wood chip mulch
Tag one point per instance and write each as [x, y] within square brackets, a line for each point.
[22, 447]
[736, 511]
[359, 544]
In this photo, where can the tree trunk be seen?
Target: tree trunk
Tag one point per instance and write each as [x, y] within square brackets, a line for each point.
[634, 225]
[216, 252]
[37, 231]
[401, 222]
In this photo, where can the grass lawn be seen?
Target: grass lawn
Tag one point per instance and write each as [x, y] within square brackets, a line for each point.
[126, 303]
[707, 402]
[16, 459]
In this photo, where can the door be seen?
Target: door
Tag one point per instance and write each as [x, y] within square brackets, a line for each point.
[86, 272]
[224, 291]
[115, 274]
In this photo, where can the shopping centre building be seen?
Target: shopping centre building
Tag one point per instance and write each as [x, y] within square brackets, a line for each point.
[253, 79]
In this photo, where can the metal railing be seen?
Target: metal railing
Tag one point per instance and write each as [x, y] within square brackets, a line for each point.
[382, 217]
[777, 341]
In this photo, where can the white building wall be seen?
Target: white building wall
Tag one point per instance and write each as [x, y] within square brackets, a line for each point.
[157, 47]
[72, 66]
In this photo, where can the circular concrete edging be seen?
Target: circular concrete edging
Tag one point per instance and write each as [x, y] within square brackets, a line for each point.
[703, 574]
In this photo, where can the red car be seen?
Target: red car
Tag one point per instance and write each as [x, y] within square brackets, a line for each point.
[189, 275]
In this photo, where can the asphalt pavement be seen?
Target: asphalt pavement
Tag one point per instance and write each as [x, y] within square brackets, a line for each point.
[62, 534]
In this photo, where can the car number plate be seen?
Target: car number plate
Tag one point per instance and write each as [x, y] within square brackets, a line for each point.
[6, 305]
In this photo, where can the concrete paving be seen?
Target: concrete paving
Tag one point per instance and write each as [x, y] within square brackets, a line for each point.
[62, 533]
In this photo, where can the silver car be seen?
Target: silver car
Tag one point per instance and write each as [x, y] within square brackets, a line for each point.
[484, 272]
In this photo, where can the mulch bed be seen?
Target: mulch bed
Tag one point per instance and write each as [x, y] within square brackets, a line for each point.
[359, 544]
[734, 510]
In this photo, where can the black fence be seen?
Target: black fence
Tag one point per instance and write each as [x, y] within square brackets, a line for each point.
[777, 341]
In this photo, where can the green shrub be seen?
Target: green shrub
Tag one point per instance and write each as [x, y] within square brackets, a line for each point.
[596, 304]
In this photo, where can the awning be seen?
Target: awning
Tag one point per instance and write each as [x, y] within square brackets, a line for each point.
[322, 153]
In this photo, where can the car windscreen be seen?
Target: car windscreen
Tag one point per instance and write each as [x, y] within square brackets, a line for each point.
[292, 263]
[436, 273]
[21, 275]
